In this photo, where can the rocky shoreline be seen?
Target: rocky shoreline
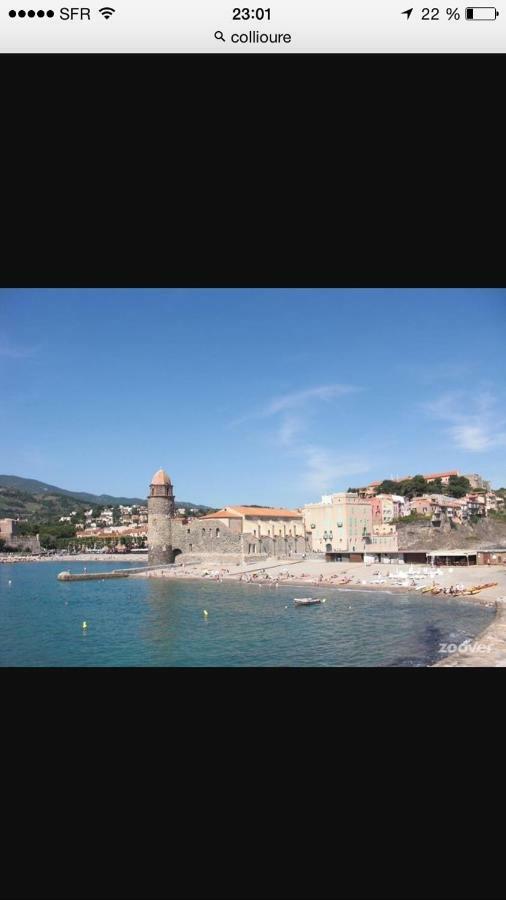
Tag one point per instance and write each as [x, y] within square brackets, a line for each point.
[10, 558]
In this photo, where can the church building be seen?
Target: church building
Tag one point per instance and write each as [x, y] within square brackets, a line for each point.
[233, 534]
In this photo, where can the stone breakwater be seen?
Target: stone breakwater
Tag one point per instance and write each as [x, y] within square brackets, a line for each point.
[91, 576]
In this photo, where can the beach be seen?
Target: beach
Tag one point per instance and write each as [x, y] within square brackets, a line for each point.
[352, 576]
[487, 650]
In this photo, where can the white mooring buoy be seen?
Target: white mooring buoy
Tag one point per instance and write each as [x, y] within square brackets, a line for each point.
[205, 612]
[85, 624]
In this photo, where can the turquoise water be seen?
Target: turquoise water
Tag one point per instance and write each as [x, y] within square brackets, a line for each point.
[155, 622]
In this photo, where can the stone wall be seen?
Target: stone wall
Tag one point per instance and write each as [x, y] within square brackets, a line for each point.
[23, 542]
[209, 537]
[202, 538]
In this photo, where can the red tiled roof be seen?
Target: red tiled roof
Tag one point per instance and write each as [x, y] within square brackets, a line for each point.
[259, 512]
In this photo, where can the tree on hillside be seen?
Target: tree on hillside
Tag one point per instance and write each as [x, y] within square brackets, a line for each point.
[388, 487]
[413, 487]
[436, 487]
[458, 486]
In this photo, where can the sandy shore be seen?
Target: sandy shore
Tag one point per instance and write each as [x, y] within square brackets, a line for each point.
[352, 576]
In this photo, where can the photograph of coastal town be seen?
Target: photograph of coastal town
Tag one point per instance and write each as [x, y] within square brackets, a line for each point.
[253, 477]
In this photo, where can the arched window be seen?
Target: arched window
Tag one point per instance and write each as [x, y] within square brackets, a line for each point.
[217, 532]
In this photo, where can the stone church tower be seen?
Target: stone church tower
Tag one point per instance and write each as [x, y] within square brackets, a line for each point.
[160, 515]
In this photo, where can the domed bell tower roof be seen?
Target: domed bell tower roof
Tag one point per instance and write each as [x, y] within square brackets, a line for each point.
[161, 477]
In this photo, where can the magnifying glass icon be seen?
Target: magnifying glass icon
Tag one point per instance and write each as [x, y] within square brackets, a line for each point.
[219, 36]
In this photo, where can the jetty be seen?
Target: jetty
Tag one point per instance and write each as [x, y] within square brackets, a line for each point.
[92, 576]
[100, 576]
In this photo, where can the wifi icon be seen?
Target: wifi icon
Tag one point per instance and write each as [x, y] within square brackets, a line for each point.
[107, 11]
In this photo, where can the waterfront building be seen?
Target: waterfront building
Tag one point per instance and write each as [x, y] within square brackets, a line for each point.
[231, 535]
[494, 557]
[13, 540]
[452, 557]
[160, 515]
[341, 526]
[260, 520]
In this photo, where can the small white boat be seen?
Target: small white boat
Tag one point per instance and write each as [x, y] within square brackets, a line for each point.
[306, 601]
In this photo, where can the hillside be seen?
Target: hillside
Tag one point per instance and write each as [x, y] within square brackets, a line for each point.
[419, 536]
[36, 500]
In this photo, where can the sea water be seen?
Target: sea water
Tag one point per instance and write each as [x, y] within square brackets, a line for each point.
[161, 622]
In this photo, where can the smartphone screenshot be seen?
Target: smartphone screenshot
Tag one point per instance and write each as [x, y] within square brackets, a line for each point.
[280, 26]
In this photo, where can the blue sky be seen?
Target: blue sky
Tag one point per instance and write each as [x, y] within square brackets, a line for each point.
[250, 396]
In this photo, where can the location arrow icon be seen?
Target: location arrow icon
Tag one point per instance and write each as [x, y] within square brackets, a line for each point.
[407, 12]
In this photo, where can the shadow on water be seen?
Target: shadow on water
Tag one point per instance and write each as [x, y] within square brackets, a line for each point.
[430, 639]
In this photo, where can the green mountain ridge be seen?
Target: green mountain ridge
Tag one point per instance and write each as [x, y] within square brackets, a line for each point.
[31, 498]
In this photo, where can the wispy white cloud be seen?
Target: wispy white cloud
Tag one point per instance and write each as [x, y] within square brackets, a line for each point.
[288, 418]
[474, 422]
[297, 400]
[291, 426]
[324, 469]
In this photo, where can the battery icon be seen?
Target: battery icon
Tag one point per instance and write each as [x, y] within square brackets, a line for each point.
[481, 13]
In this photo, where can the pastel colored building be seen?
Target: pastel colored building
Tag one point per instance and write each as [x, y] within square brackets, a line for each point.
[475, 505]
[422, 506]
[342, 525]
[261, 521]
